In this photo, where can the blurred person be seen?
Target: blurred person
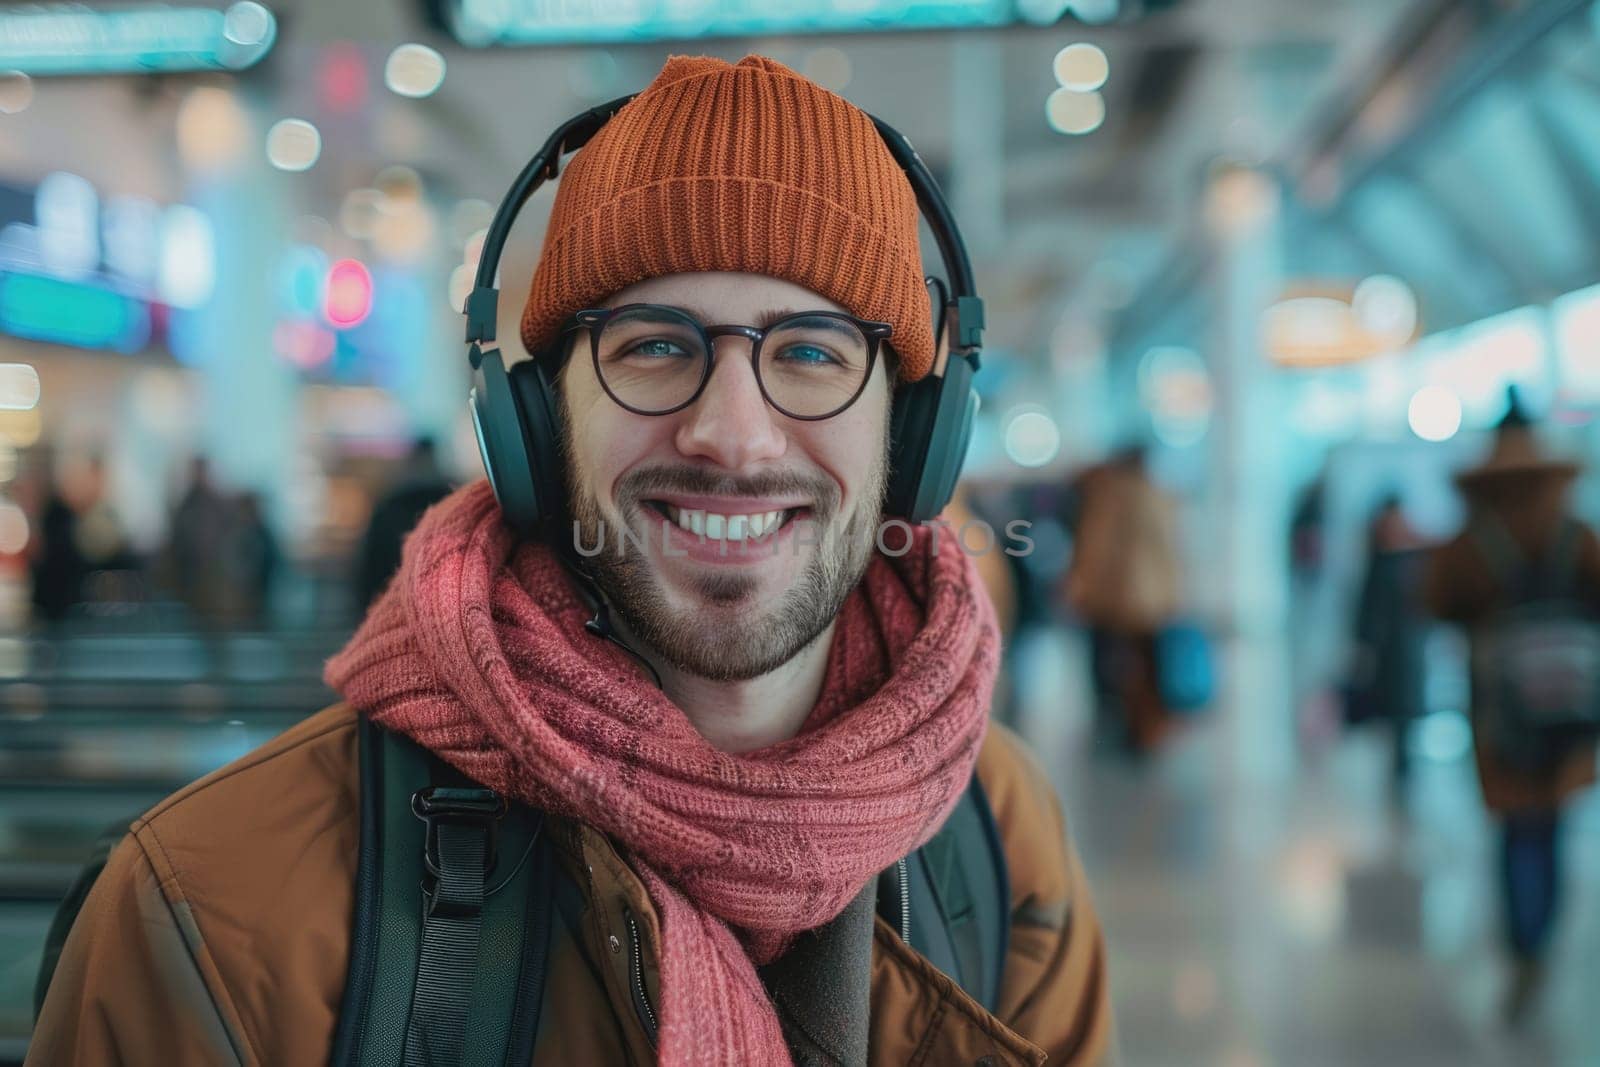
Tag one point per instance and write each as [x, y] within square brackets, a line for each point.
[253, 550]
[193, 565]
[1520, 547]
[738, 746]
[1386, 675]
[1125, 582]
[58, 564]
[421, 484]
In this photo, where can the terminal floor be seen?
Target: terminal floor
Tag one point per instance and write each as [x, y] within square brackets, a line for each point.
[1268, 900]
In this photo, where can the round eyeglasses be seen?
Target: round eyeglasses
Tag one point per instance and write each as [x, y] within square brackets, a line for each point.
[654, 360]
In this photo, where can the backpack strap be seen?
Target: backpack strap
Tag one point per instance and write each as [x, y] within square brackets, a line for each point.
[452, 917]
[955, 899]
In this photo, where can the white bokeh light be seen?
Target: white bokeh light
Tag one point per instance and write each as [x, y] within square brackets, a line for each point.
[1434, 413]
[1032, 437]
[1069, 111]
[1082, 67]
[414, 70]
[293, 145]
[1386, 307]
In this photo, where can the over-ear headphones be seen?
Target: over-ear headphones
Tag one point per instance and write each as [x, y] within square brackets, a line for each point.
[514, 410]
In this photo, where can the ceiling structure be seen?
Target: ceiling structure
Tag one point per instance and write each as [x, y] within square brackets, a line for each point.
[1045, 212]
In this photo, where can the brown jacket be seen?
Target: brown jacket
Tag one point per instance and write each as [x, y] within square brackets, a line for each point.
[219, 931]
[1461, 586]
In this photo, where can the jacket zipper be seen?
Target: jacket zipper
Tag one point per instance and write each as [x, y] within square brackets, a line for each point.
[905, 901]
[641, 1002]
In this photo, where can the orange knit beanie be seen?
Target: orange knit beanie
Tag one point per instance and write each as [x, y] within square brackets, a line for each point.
[747, 167]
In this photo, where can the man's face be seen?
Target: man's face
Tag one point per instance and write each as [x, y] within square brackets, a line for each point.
[725, 608]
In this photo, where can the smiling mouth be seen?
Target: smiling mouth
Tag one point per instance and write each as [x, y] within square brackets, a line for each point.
[726, 526]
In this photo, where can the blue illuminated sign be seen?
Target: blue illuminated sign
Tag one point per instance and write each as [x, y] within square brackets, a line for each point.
[76, 40]
[69, 313]
[486, 22]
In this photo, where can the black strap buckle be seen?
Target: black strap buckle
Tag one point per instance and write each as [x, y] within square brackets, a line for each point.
[474, 809]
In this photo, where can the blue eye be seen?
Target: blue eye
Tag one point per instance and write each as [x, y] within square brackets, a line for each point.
[657, 349]
[807, 354]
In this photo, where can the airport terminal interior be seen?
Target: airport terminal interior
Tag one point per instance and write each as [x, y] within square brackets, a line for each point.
[1276, 285]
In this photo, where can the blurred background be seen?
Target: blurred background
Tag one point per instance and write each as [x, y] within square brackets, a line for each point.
[1263, 278]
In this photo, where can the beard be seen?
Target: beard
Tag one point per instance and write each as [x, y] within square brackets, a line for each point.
[739, 637]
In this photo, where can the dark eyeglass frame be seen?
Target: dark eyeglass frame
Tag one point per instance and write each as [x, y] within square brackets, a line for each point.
[595, 319]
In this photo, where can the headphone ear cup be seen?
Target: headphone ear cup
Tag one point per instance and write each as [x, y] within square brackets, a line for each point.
[508, 411]
[536, 401]
[929, 430]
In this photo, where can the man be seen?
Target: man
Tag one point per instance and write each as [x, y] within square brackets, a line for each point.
[1520, 547]
[821, 705]
[1125, 581]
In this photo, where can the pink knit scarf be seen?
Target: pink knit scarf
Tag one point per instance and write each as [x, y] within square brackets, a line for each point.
[478, 652]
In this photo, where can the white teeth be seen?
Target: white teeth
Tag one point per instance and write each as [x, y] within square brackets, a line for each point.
[719, 527]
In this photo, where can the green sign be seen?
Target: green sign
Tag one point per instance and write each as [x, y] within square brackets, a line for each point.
[486, 22]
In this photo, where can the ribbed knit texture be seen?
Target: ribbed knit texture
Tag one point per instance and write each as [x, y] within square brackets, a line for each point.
[477, 651]
[747, 167]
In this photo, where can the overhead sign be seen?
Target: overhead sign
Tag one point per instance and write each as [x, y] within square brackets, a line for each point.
[488, 22]
[63, 39]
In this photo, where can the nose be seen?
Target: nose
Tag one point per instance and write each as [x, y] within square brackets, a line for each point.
[730, 423]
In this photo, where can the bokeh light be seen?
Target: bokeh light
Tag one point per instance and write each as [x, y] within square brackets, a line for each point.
[414, 70]
[1075, 113]
[19, 387]
[248, 24]
[349, 293]
[1032, 438]
[1386, 307]
[1434, 413]
[16, 91]
[13, 528]
[188, 269]
[1082, 67]
[293, 145]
